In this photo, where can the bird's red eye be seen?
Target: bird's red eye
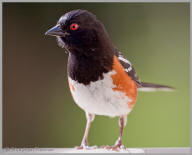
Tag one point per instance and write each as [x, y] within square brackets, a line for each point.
[74, 27]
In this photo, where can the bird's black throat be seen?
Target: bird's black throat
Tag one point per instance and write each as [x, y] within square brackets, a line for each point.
[89, 66]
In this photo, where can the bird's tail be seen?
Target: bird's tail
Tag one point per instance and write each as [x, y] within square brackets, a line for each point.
[148, 87]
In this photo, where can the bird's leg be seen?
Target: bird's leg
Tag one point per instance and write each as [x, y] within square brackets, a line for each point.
[84, 143]
[85, 137]
[122, 124]
[118, 144]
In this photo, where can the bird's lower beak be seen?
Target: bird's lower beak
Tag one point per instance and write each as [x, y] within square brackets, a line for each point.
[55, 31]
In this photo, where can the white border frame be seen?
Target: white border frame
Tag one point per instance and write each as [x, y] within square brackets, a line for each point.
[186, 150]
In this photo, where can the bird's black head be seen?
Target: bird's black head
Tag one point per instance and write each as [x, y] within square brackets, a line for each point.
[90, 48]
[79, 29]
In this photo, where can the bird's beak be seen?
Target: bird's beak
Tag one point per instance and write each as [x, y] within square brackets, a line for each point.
[55, 31]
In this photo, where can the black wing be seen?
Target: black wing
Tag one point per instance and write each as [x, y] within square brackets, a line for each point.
[128, 67]
[142, 86]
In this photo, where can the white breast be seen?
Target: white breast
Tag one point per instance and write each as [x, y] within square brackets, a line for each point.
[99, 98]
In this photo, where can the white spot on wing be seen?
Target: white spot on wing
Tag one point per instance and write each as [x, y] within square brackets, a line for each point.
[128, 69]
[124, 60]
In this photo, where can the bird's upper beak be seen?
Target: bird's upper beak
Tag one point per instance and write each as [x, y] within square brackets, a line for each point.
[55, 31]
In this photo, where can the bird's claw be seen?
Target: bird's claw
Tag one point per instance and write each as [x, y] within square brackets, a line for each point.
[114, 147]
[85, 147]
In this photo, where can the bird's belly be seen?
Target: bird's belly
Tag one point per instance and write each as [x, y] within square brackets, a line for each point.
[100, 97]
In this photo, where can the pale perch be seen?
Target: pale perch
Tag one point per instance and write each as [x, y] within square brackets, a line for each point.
[98, 150]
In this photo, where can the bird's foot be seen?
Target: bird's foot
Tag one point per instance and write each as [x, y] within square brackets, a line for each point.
[86, 147]
[116, 147]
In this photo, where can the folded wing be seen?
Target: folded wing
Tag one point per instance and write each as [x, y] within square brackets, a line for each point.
[142, 86]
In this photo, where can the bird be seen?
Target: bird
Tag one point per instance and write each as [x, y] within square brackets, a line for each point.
[101, 80]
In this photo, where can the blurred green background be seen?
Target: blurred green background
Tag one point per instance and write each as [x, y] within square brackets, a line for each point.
[38, 110]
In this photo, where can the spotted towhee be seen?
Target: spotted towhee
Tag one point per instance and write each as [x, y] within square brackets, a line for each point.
[102, 81]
